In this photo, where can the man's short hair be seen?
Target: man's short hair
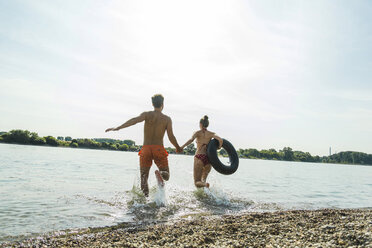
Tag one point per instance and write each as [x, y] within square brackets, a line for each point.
[157, 100]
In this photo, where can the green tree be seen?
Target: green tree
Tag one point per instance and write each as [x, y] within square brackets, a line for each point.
[68, 138]
[63, 143]
[74, 145]
[60, 138]
[134, 148]
[88, 143]
[123, 147]
[113, 147]
[266, 154]
[17, 136]
[287, 154]
[50, 140]
[240, 153]
[253, 153]
[105, 145]
[274, 154]
[129, 142]
[170, 150]
[39, 141]
[36, 140]
[301, 156]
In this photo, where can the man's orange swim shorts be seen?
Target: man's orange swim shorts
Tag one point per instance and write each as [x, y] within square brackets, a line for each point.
[153, 152]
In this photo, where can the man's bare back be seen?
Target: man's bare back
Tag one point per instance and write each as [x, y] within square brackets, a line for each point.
[155, 125]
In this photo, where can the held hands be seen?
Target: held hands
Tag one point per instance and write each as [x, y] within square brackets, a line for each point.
[179, 149]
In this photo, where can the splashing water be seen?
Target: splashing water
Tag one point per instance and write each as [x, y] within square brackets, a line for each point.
[160, 197]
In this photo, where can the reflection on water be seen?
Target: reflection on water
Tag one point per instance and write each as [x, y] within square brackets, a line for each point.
[45, 189]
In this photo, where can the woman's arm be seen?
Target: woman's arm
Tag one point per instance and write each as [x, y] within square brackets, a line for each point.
[189, 141]
[219, 140]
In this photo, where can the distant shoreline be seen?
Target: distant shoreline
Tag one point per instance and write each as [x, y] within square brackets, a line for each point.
[300, 228]
[25, 137]
[84, 148]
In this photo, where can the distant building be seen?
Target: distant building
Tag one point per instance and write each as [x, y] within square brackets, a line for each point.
[330, 151]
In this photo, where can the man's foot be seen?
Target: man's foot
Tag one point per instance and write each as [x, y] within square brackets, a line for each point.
[159, 178]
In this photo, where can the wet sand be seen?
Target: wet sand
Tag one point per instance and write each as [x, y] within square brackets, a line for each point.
[301, 228]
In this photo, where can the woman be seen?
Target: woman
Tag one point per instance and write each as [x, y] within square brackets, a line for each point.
[202, 166]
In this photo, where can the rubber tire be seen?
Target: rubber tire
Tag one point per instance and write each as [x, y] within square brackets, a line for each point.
[215, 161]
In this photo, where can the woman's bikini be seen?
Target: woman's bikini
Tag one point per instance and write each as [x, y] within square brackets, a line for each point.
[203, 157]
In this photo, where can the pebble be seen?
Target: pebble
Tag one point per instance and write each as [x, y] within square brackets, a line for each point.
[319, 228]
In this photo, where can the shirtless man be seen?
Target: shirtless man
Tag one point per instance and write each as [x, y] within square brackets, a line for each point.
[202, 166]
[156, 123]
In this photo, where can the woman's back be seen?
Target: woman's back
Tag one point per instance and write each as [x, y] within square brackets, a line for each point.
[202, 139]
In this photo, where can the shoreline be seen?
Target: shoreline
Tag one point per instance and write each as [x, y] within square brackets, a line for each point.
[301, 228]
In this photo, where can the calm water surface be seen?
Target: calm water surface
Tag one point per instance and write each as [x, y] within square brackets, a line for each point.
[44, 189]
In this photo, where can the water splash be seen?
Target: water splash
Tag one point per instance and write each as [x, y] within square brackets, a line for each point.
[160, 197]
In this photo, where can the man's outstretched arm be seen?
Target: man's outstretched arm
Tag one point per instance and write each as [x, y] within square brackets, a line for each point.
[129, 123]
[171, 137]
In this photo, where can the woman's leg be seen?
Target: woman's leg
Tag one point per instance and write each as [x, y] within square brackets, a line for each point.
[206, 169]
[198, 171]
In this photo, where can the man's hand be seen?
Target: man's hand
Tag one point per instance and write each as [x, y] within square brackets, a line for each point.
[111, 129]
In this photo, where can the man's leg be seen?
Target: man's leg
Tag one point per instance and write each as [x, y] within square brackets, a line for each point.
[145, 165]
[164, 172]
[144, 173]
[161, 161]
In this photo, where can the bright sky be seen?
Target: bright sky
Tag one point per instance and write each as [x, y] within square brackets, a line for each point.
[268, 74]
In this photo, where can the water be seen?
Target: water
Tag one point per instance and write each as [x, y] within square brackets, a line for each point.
[44, 189]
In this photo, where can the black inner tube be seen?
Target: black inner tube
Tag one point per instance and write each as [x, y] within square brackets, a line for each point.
[215, 161]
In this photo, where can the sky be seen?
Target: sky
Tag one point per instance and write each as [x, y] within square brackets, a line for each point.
[269, 74]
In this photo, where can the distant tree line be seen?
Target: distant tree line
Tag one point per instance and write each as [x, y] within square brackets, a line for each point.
[26, 137]
[286, 154]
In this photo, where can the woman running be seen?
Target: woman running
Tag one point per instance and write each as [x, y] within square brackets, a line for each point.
[202, 166]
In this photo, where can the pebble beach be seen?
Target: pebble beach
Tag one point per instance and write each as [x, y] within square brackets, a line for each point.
[299, 228]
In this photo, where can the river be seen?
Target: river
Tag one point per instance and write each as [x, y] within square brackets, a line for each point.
[45, 189]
